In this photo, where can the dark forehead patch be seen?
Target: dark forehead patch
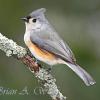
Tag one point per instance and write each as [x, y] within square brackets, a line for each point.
[28, 17]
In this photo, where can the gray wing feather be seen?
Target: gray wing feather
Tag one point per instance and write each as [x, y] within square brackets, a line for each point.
[49, 40]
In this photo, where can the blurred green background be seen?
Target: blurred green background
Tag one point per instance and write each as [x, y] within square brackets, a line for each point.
[78, 22]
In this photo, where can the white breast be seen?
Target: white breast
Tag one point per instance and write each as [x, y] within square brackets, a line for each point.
[26, 37]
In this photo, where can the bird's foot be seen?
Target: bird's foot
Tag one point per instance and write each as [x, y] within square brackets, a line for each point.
[37, 62]
[29, 53]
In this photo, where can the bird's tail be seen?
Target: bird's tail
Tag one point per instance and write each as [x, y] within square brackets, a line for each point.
[88, 80]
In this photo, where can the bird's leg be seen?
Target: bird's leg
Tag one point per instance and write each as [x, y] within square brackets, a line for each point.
[29, 53]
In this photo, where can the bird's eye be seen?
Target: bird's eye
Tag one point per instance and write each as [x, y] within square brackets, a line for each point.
[34, 20]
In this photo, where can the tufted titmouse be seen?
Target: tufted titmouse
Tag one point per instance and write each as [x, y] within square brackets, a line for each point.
[47, 46]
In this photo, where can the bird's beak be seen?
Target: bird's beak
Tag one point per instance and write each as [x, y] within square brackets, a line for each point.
[24, 19]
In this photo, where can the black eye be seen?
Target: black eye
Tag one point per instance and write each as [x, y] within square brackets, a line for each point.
[34, 20]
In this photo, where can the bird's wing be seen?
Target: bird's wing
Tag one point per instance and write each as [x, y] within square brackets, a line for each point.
[53, 43]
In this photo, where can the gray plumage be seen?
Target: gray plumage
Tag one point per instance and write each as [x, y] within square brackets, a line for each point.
[44, 36]
[38, 12]
[48, 39]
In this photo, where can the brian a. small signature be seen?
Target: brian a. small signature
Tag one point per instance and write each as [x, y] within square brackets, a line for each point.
[23, 91]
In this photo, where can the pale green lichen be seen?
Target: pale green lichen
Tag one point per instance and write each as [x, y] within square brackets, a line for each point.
[10, 47]
[50, 86]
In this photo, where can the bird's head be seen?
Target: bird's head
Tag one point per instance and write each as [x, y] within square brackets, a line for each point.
[35, 19]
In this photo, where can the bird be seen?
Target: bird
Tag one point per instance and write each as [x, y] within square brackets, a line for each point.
[47, 46]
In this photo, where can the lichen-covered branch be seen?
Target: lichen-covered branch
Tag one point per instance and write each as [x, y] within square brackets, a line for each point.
[12, 49]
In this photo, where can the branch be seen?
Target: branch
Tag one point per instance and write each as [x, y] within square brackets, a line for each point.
[12, 49]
